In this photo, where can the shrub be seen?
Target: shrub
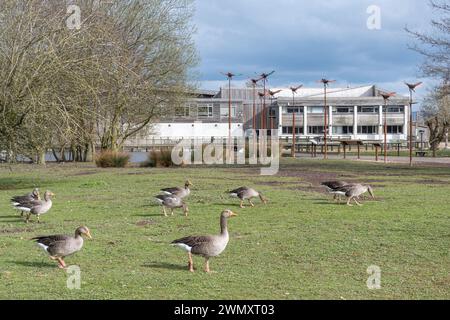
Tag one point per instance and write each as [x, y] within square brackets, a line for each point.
[159, 158]
[112, 159]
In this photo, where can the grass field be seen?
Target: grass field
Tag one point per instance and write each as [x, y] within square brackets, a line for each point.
[300, 246]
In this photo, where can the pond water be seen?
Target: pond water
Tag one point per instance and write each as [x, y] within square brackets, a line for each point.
[135, 157]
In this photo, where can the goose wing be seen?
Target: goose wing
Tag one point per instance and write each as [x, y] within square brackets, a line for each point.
[334, 184]
[238, 190]
[29, 203]
[171, 190]
[51, 240]
[193, 241]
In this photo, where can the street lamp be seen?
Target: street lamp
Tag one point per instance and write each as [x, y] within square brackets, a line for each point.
[272, 96]
[386, 97]
[412, 88]
[261, 96]
[325, 82]
[254, 83]
[294, 91]
[229, 76]
[264, 77]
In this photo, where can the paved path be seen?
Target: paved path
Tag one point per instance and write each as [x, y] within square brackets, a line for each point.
[405, 160]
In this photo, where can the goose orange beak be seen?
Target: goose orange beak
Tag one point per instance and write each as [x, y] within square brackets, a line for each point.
[233, 214]
[88, 234]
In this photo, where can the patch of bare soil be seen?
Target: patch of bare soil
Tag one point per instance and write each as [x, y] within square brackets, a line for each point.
[432, 181]
[15, 230]
[83, 173]
[144, 223]
[314, 177]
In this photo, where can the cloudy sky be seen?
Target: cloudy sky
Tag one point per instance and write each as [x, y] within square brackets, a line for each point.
[306, 40]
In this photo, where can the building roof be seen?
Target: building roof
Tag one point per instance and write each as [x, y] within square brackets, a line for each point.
[368, 91]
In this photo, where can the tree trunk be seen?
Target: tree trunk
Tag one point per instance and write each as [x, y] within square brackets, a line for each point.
[90, 152]
[41, 157]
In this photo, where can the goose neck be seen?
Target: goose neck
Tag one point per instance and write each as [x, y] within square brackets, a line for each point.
[223, 226]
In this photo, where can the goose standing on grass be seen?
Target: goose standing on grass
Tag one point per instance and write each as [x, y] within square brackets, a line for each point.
[245, 193]
[171, 202]
[206, 246]
[36, 207]
[353, 191]
[61, 246]
[333, 186]
[34, 195]
[180, 192]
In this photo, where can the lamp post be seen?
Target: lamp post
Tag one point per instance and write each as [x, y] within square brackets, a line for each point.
[294, 91]
[421, 139]
[386, 97]
[261, 96]
[254, 83]
[229, 76]
[325, 82]
[272, 96]
[412, 88]
[264, 77]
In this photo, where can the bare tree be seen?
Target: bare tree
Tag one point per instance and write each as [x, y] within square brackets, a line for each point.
[126, 66]
[436, 112]
[435, 45]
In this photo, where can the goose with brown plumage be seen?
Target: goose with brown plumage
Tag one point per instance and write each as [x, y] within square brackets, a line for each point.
[16, 200]
[180, 192]
[353, 191]
[333, 186]
[36, 207]
[171, 202]
[246, 193]
[206, 246]
[60, 246]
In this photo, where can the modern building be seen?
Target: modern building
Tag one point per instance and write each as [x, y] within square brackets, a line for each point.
[353, 113]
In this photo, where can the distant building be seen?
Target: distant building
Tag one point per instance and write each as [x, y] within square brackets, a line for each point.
[354, 113]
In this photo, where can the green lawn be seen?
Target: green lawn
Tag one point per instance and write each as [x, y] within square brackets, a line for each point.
[300, 246]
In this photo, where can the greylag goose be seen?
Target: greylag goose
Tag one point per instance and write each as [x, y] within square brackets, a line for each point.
[180, 192]
[36, 207]
[61, 246]
[171, 202]
[206, 246]
[34, 195]
[333, 186]
[246, 193]
[353, 191]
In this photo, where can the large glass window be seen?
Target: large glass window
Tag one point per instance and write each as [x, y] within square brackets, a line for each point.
[294, 109]
[342, 109]
[343, 130]
[182, 111]
[395, 109]
[315, 109]
[315, 129]
[368, 109]
[224, 111]
[288, 130]
[395, 129]
[205, 111]
[368, 129]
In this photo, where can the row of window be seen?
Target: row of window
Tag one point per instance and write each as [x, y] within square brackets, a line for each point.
[375, 109]
[203, 111]
[343, 130]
